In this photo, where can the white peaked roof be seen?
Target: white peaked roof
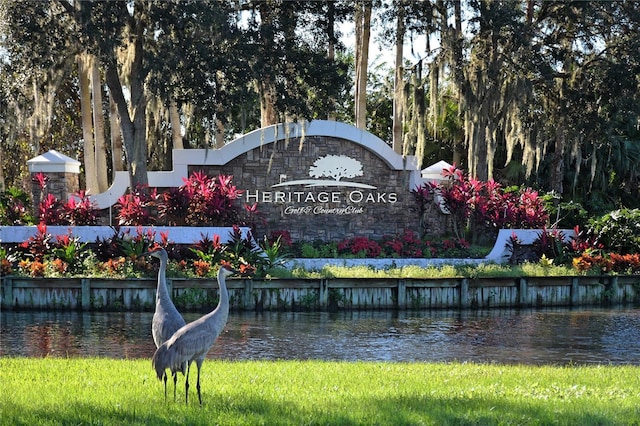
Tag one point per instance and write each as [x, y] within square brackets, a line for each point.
[434, 171]
[53, 162]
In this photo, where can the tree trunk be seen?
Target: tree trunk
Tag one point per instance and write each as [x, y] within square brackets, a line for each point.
[476, 131]
[265, 85]
[331, 52]
[116, 137]
[455, 42]
[2, 183]
[267, 91]
[398, 89]
[434, 110]
[98, 128]
[363, 34]
[39, 122]
[91, 177]
[420, 115]
[34, 134]
[133, 129]
[176, 126]
[219, 134]
[557, 162]
[133, 116]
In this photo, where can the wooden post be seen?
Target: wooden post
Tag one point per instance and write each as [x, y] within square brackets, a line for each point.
[7, 299]
[464, 293]
[86, 294]
[401, 302]
[523, 292]
[324, 293]
[248, 289]
[575, 291]
[614, 290]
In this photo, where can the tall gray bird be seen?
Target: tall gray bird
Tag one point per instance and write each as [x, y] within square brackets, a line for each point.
[193, 341]
[166, 319]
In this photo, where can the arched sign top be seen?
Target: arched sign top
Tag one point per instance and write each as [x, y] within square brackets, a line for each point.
[278, 132]
[183, 158]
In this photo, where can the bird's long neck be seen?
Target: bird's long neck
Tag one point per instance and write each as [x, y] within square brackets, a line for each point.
[223, 303]
[162, 291]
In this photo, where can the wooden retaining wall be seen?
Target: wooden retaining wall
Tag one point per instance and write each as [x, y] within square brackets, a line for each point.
[321, 294]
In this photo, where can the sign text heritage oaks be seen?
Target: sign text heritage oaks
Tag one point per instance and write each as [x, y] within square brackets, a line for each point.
[324, 196]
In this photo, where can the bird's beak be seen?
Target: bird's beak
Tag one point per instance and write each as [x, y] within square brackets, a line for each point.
[232, 270]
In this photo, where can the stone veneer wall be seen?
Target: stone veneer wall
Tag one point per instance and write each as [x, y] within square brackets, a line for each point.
[434, 222]
[61, 184]
[289, 160]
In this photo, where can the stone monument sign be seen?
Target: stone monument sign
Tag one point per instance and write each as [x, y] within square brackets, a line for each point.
[323, 180]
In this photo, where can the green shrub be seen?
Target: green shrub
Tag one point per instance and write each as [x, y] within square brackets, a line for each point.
[618, 231]
[15, 208]
[308, 251]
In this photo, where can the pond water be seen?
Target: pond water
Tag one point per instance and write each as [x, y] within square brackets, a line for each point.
[506, 336]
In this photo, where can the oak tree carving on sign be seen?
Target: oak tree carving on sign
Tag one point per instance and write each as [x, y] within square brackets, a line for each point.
[336, 167]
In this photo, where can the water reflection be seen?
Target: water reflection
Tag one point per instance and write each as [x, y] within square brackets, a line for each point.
[557, 336]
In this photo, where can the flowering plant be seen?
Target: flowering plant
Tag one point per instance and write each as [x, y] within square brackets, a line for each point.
[482, 208]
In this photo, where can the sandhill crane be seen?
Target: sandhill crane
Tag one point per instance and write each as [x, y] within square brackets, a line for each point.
[193, 341]
[166, 318]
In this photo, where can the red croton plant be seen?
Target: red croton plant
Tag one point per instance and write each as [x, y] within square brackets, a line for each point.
[482, 208]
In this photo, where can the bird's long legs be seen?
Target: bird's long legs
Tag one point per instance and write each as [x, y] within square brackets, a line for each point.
[198, 364]
[175, 386]
[186, 382]
[164, 377]
[186, 385]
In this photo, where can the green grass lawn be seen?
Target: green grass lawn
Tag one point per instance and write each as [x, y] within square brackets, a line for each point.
[102, 391]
